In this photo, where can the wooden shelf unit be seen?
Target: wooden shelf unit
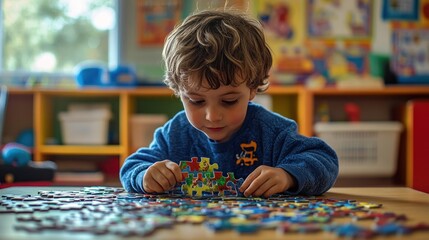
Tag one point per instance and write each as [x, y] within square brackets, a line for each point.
[373, 101]
[296, 102]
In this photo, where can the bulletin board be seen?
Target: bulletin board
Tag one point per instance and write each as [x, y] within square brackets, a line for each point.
[349, 19]
[156, 19]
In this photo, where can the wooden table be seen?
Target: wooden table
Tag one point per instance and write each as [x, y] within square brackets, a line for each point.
[399, 200]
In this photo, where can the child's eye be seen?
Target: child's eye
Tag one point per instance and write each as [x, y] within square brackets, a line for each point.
[230, 102]
[195, 102]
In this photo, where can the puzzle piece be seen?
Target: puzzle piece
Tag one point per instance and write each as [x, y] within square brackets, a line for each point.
[190, 166]
[392, 229]
[205, 165]
[301, 228]
[351, 231]
[195, 189]
[220, 225]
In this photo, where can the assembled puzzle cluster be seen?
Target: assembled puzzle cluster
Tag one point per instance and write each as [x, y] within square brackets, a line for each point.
[202, 179]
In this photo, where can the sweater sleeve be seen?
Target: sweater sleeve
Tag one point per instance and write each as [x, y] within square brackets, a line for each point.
[312, 163]
[135, 166]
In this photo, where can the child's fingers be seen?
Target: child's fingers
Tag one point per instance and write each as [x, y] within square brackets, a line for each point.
[162, 182]
[153, 188]
[175, 169]
[166, 174]
[166, 178]
[150, 185]
[249, 179]
[254, 181]
[264, 188]
[271, 191]
[146, 188]
[161, 175]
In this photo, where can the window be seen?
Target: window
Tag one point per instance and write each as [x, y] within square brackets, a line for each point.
[55, 35]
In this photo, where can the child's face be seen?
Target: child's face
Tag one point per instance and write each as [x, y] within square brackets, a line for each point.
[219, 113]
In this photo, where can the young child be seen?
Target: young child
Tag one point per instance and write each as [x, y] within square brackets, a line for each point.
[216, 62]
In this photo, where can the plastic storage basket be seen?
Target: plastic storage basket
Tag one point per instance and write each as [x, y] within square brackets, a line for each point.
[363, 148]
[85, 127]
[142, 128]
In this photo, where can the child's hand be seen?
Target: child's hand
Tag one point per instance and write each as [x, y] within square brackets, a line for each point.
[161, 176]
[266, 181]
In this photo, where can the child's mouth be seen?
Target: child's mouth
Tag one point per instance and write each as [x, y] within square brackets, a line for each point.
[217, 129]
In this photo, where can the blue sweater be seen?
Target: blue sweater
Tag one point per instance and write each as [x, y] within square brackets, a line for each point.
[265, 138]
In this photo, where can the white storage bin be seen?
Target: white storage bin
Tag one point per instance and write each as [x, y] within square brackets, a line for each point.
[363, 148]
[142, 128]
[85, 127]
[88, 107]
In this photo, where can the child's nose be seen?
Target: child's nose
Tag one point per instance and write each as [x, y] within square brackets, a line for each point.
[213, 114]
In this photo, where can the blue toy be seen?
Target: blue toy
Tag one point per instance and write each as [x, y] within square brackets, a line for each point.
[123, 76]
[26, 138]
[16, 154]
[91, 73]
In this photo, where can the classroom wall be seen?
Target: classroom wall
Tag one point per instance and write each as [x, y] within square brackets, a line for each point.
[381, 42]
[148, 60]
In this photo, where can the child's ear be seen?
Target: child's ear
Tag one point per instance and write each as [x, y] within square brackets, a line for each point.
[252, 94]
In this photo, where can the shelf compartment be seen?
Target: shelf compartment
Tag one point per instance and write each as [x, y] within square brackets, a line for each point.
[81, 150]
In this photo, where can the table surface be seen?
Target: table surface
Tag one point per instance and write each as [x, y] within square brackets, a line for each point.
[400, 200]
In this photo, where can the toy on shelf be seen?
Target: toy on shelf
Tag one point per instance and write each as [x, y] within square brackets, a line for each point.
[352, 111]
[18, 167]
[97, 74]
[16, 154]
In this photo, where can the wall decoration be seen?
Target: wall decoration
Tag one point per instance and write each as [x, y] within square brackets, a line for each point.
[282, 19]
[339, 19]
[284, 26]
[337, 62]
[276, 19]
[424, 12]
[221, 4]
[156, 19]
[400, 10]
[410, 55]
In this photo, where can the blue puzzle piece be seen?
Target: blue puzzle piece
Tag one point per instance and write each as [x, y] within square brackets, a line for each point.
[392, 229]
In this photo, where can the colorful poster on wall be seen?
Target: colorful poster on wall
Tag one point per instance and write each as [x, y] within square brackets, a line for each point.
[410, 55]
[282, 19]
[349, 19]
[407, 10]
[156, 19]
[284, 28]
[336, 61]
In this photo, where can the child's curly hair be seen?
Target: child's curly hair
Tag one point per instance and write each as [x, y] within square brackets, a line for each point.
[227, 48]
